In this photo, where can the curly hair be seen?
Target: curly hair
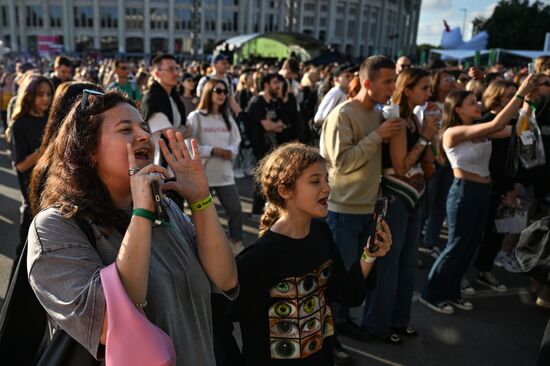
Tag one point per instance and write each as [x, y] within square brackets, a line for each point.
[282, 167]
[73, 183]
[63, 100]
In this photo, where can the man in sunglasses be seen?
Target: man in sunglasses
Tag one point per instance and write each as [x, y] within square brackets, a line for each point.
[124, 83]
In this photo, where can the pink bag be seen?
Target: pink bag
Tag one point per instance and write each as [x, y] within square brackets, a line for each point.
[131, 338]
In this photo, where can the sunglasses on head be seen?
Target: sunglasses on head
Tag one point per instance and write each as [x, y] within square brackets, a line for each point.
[220, 91]
[85, 94]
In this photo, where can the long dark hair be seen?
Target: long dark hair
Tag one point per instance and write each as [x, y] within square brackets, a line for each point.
[63, 101]
[73, 183]
[206, 101]
[27, 94]
[407, 80]
[454, 100]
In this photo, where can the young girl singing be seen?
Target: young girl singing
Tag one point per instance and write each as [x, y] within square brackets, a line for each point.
[294, 271]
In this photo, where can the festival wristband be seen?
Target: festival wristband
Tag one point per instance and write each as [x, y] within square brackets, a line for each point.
[202, 204]
[366, 258]
[149, 215]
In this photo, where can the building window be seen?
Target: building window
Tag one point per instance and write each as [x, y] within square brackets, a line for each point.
[83, 17]
[4, 16]
[351, 28]
[109, 44]
[182, 19]
[159, 45]
[159, 19]
[83, 43]
[270, 23]
[230, 2]
[183, 1]
[339, 24]
[209, 21]
[322, 22]
[56, 14]
[322, 35]
[134, 44]
[229, 22]
[34, 16]
[134, 20]
[309, 21]
[309, 6]
[109, 17]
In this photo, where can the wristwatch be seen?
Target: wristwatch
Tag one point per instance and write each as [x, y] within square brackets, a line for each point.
[423, 141]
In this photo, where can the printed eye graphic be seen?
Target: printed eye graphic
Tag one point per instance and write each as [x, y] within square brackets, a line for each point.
[283, 328]
[309, 306]
[311, 345]
[283, 309]
[285, 288]
[286, 348]
[311, 325]
[324, 273]
[307, 284]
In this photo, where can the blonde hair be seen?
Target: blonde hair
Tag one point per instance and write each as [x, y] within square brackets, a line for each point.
[494, 93]
[282, 167]
[476, 87]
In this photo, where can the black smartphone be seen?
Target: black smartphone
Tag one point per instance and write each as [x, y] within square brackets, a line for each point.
[380, 212]
[162, 215]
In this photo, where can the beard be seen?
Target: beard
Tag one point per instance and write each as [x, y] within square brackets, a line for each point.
[273, 93]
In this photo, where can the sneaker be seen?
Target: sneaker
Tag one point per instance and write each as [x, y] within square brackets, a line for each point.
[442, 307]
[512, 265]
[488, 279]
[466, 288]
[238, 173]
[236, 247]
[341, 357]
[462, 304]
[501, 258]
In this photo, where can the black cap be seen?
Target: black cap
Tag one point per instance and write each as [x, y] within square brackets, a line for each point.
[186, 76]
[345, 68]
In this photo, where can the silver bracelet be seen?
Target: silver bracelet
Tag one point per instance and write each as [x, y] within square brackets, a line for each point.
[141, 305]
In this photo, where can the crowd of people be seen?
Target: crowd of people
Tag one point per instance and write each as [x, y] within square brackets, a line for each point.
[90, 140]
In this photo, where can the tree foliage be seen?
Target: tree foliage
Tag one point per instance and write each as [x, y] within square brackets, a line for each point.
[516, 24]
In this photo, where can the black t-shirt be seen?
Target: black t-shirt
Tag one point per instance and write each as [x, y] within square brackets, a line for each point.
[261, 140]
[412, 139]
[286, 286]
[26, 134]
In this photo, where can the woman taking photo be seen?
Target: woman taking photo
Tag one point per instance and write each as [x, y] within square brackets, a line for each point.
[388, 307]
[218, 138]
[468, 150]
[101, 173]
[29, 120]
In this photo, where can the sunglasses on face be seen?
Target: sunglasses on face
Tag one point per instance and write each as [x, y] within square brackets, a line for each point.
[85, 94]
[220, 91]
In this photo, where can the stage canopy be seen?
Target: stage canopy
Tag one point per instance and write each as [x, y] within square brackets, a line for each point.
[277, 45]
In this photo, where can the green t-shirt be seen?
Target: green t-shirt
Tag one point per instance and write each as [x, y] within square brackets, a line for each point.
[130, 89]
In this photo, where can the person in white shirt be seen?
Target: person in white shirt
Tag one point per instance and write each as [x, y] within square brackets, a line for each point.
[338, 94]
[219, 138]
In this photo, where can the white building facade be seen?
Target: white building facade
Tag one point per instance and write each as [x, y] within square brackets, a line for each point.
[354, 27]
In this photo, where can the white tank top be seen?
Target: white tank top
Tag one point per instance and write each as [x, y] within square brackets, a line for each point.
[471, 157]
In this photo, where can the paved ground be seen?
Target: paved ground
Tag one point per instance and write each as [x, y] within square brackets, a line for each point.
[505, 329]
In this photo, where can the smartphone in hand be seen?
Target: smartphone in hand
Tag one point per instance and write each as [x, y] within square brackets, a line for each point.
[162, 215]
[380, 212]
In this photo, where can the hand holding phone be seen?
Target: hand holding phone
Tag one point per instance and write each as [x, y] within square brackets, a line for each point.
[380, 212]
[157, 198]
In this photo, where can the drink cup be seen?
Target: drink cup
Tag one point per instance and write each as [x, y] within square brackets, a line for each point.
[391, 111]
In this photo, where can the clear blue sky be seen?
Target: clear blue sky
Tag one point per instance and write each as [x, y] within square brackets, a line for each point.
[433, 12]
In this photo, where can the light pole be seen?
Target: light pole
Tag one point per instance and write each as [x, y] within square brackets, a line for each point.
[464, 22]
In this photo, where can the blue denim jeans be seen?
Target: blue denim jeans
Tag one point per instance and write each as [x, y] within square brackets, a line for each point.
[350, 232]
[467, 208]
[436, 199]
[389, 304]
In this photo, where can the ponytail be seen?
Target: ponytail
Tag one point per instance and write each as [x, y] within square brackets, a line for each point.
[270, 216]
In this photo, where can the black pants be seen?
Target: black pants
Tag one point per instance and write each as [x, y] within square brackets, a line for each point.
[492, 241]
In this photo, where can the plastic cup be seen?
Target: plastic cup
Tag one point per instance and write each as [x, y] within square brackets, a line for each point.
[391, 111]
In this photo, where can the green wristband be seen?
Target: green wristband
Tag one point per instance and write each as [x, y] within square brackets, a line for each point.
[202, 204]
[141, 212]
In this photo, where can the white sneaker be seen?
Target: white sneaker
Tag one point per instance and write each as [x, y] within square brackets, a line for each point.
[501, 258]
[462, 304]
[466, 288]
[512, 265]
[488, 279]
